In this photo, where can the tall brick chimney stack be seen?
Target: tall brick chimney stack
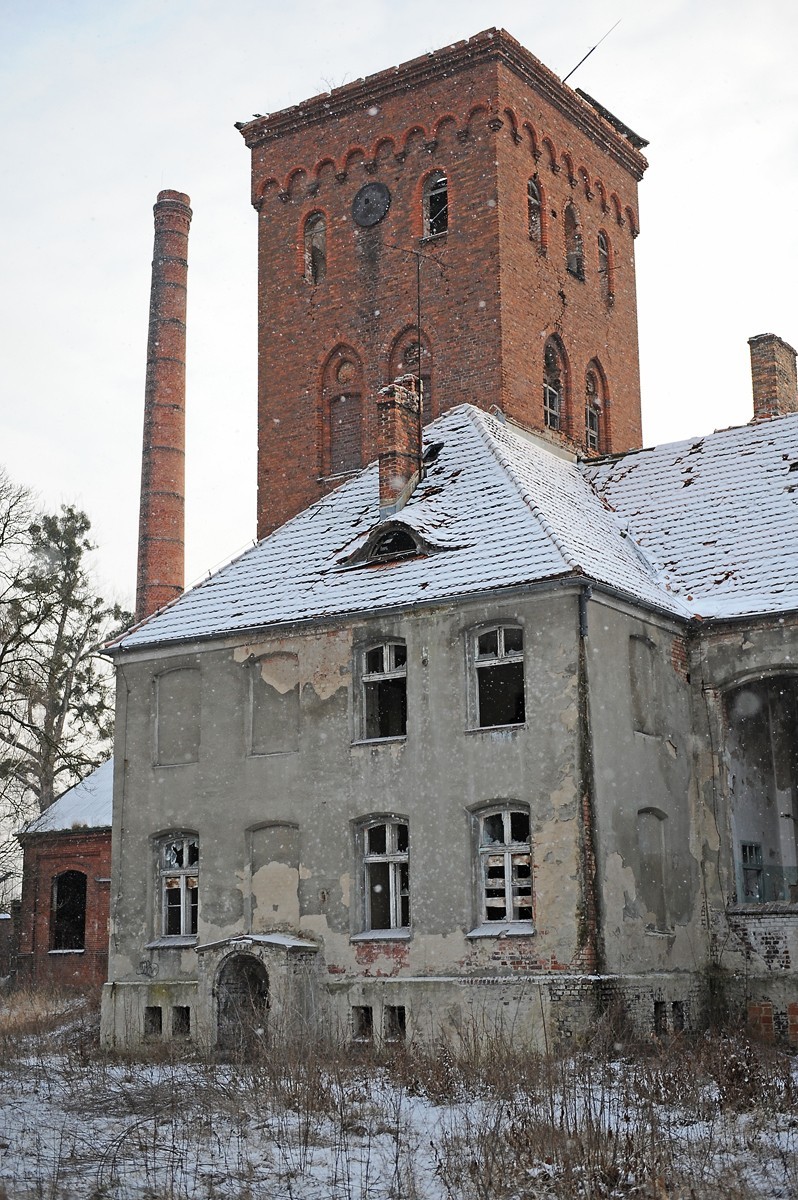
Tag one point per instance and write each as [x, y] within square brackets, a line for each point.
[773, 376]
[399, 443]
[161, 566]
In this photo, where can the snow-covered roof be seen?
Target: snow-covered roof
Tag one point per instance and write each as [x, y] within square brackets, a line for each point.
[703, 528]
[87, 805]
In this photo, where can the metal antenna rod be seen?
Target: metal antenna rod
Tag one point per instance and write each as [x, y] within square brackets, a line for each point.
[590, 51]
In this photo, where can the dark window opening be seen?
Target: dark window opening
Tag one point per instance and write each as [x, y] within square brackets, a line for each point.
[534, 209]
[153, 1021]
[505, 866]
[751, 861]
[362, 1023]
[677, 1016]
[387, 876]
[499, 663]
[315, 248]
[660, 1018]
[68, 911]
[394, 1023]
[385, 691]
[592, 412]
[605, 267]
[552, 388]
[436, 205]
[396, 543]
[181, 1021]
[574, 256]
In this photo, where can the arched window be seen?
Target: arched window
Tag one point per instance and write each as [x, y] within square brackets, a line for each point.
[343, 404]
[68, 911]
[574, 256]
[594, 411]
[435, 205]
[498, 656]
[605, 266]
[534, 213]
[315, 248]
[553, 387]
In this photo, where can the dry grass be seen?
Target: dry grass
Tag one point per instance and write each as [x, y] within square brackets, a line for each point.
[702, 1118]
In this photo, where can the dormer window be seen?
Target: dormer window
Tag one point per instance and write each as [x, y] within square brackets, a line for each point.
[395, 543]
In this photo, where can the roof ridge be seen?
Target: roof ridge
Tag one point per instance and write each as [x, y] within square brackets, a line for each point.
[496, 449]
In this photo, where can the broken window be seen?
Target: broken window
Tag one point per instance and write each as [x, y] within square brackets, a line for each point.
[651, 851]
[534, 210]
[553, 386]
[574, 257]
[384, 681]
[505, 866]
[362, 1023]
[592, 412]
[386, 872]
[436, 205]
[762, 764]
[394, 1023]
[177, 725]
[605, 267]
[499, 669]
[396, 543]
[68, 911]
[315, 248]
[179, 874]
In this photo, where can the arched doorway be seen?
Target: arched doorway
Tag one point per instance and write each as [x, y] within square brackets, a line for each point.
[242, 993]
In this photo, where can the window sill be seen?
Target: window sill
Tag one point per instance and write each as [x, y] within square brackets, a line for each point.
[172, 943]
[763, 908]
[503, 929]
[497, 728]
[81, 951]
[434, 237]
[386, 741]
[381, 935]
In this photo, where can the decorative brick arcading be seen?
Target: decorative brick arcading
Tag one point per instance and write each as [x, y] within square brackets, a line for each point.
[773, 377]
[160, 576]
[399, 443]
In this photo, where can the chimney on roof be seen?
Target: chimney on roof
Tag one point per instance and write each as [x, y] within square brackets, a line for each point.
[399, 442]
[160, 575]
[773, 376]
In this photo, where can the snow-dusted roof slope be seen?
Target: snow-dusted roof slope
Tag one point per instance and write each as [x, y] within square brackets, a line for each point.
[85, 806]
[717, 517]
[703, 528]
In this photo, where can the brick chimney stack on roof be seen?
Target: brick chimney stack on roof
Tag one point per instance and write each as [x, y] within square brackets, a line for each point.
[399, 441]
[773, 376]
[161, 568]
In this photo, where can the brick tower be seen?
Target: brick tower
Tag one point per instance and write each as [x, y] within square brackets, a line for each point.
[161, 550]
[513, 197]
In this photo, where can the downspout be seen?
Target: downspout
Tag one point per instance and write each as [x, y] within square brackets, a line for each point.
[591, 946]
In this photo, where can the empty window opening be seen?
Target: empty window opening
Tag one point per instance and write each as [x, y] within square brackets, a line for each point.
[68, 911]
[505, 866]
[534, 212]
[181, 1021]
[762, 757]
[396, 543]
[436, 205]
[499, 665]
[574, 257]
[553, 388]
[592, 413]
[362, 1023]
[605, 267]
[387, 878]
[385, 691]
[153, 1022]
[180, 886]
[394, 1023]
[677, 1016]
[660, 1018]
[315, 248]
[651, 850]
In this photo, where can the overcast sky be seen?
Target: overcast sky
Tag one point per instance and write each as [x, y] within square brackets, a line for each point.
[104, 104]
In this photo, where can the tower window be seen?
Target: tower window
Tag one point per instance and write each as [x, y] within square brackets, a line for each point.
[436, 205]
[553, 407]
[592, 412]
[315, 248]
[574, 256]
[534, 209]
[605, 267]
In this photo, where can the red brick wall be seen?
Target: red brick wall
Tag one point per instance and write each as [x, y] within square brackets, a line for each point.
[488, 297]
[45, 856]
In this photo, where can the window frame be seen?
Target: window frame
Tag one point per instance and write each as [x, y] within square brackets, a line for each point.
[366, 678]
[513, 853]
[183, 873]
[397, 861]
[555, 386]
[574, 242]
[435, 224]
[482, 663]
[314, 264]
